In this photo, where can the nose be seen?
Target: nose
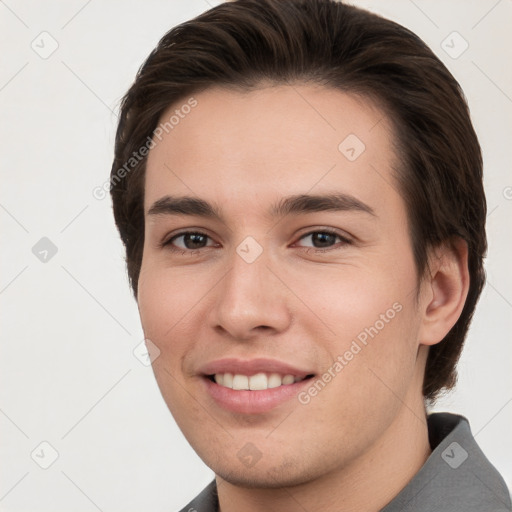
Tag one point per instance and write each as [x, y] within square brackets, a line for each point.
[251, 299]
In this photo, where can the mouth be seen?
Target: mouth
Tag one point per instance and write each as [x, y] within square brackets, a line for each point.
[258, 382]
[253, 387]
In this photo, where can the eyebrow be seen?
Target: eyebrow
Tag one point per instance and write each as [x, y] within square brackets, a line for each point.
[299, 204]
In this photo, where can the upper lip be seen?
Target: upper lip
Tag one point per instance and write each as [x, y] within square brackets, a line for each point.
[251, 367]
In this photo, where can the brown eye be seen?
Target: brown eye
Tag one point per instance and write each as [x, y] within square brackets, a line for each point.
[191, 240]
[325, 239]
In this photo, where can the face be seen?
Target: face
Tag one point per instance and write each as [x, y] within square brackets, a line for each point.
[287, 325]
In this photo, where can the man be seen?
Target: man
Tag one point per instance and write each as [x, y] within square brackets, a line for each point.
[299, 189]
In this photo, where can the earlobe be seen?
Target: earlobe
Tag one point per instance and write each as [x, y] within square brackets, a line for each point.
[446, 291]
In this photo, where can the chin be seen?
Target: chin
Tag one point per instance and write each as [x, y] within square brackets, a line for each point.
[261, 480]
[264, 476]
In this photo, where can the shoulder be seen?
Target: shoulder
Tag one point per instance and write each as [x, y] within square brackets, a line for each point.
[456, 477]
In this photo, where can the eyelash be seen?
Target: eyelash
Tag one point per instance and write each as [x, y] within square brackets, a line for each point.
[168, 243]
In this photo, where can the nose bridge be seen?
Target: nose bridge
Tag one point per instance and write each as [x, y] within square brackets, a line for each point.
[248, 278]
[250, 295]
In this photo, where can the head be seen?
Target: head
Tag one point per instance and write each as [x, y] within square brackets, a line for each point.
[254, 101]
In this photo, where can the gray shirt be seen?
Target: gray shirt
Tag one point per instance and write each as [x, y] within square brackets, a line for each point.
[456, 477]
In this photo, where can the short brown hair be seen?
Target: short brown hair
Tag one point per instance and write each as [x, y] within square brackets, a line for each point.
[246, 42]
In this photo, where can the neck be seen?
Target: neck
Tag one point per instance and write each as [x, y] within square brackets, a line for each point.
[369, 484]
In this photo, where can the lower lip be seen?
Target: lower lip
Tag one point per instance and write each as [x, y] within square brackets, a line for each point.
[253, 402]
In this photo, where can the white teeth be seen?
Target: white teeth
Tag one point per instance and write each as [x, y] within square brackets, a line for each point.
[240, 382]
[227, 380]
[275, 380]
[257, 382]
[288, 379]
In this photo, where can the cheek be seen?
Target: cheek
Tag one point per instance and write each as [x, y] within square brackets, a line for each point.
[373, 366]
[355, 301]
[166, 301]
[371, 325]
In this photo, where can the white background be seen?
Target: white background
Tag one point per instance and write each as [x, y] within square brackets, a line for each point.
[69, 326]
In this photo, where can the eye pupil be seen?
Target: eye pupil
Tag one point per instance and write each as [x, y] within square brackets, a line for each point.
[321, 237]
[195, 239]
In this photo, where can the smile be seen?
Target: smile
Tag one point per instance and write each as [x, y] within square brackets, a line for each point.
[257, 382]
[252, 386]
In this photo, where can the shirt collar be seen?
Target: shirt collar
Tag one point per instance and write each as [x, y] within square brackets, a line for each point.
[457, 475]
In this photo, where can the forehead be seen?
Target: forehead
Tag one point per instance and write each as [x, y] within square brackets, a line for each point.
[291, 139]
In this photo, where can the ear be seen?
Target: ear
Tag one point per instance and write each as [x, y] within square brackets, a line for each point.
[444, 290]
